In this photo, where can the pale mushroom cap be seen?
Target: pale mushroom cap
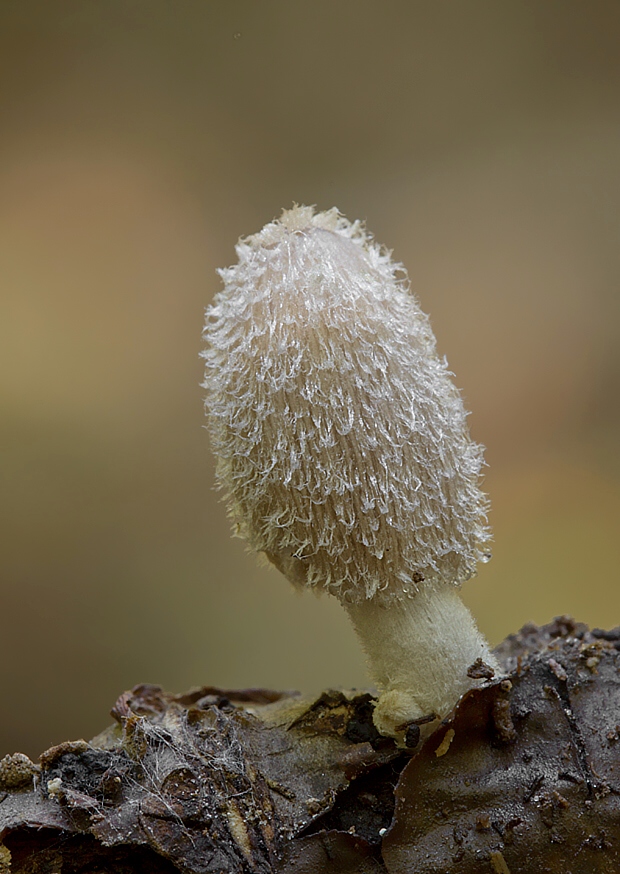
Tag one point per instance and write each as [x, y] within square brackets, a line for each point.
[341, 441]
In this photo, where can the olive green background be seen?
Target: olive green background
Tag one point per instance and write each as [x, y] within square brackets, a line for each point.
[480, 140]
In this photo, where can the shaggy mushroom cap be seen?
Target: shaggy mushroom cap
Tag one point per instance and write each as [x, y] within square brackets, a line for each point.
[342, 446]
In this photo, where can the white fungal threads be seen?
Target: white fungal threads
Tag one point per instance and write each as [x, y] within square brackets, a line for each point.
[343, 451]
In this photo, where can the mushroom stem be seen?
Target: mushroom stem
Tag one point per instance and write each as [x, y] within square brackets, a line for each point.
[419, 650]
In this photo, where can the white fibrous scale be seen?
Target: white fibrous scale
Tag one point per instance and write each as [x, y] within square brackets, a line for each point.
[341, 441]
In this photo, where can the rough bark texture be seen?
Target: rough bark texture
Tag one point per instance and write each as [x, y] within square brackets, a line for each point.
[523, 777]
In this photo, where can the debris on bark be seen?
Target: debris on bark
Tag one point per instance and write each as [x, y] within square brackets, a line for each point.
[524, 776]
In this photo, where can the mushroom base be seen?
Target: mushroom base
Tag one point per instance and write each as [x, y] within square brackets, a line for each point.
[419, 651]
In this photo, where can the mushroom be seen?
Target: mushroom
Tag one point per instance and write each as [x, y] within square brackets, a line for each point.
[343, 451]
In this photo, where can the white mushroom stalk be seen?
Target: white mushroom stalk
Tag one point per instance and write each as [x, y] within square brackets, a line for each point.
[343, 450]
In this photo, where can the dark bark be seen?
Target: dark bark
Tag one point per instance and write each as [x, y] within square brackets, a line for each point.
[524, 777]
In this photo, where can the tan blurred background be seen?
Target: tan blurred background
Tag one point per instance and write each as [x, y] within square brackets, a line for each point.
[138, 140]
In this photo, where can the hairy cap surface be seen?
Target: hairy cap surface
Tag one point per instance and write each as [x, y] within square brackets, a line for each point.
[341, 441]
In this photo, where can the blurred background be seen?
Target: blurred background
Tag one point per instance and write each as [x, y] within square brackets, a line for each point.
[138, 140]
